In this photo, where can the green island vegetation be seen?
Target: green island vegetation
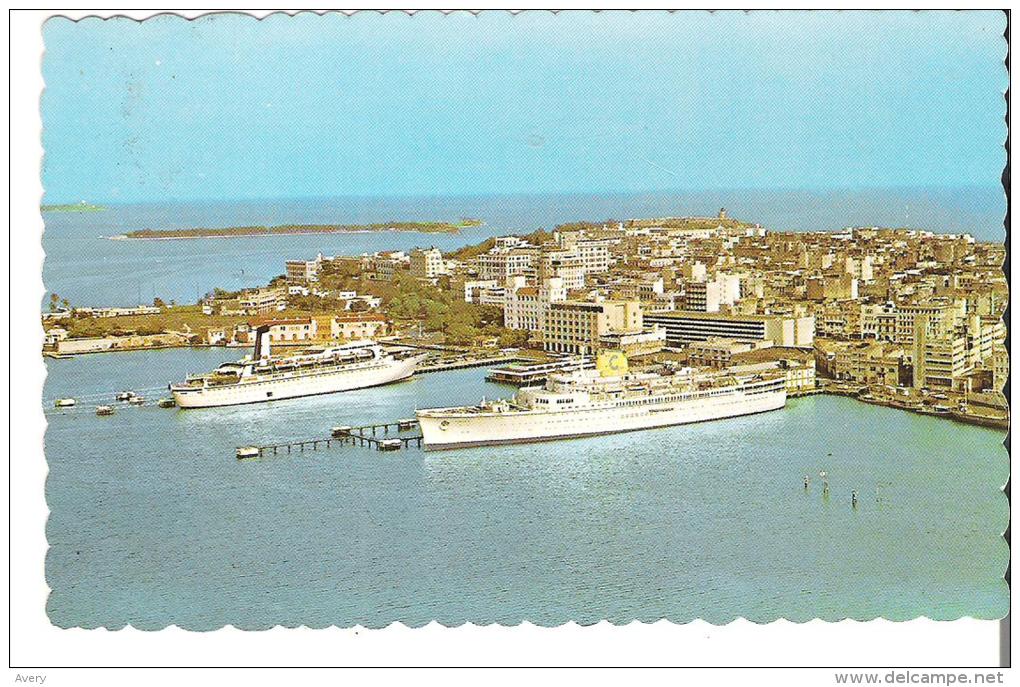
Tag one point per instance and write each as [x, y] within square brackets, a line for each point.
[73, 207]
[407, 300]
[178, 318]
[424, 227]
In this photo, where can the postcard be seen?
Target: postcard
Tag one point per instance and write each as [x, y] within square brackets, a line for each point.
[494, 318]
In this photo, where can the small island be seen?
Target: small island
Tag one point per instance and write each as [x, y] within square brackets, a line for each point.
[73, 207]
[231, 232]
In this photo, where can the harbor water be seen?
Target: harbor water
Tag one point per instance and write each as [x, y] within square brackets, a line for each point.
[154, 522]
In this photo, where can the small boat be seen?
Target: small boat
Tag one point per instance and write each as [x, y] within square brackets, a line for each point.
[406, 424]
[390, 445]
[341, 431]
[125, 396]
[64, 403]
[104, 410]
[166, 403]
[247, 452]
[136, 401]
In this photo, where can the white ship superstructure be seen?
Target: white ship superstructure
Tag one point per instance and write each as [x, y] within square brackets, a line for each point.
[264, 377]
[584, 403]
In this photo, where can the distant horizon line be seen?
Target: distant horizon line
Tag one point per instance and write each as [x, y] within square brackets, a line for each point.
[525, 194]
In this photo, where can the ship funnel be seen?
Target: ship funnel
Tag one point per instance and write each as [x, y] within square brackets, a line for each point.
[262, 342]
[611, 364]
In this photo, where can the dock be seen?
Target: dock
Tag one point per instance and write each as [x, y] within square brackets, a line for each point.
[377, 436]
[455, 364]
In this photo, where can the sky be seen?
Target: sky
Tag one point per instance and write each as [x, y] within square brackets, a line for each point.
[228, 107]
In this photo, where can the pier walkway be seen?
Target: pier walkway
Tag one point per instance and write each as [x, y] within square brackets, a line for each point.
[377, 436]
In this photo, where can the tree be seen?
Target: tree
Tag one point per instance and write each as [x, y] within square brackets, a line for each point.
[513, 338]
[54, 299]
[158, 303]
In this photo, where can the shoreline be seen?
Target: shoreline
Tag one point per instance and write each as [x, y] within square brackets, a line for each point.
[992, 423]
[125, 237]
[221, 234]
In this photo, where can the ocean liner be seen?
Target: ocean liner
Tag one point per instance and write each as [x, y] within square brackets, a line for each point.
[603, 401]
[264, 377]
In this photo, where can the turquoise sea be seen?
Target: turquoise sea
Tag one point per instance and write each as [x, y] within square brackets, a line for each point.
[87, 268]
[154, 522]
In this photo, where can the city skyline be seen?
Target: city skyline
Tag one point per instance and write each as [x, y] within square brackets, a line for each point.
[774, 101]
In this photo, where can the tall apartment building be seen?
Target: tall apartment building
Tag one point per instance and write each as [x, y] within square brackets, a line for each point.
[895, 323]
[525, 307]
[685, 326]
[983, 333]
[709, 296]
[702, 296]
[940, 362]
[593, 253]
[565, 265]
[304, 270]
[427, 264]
[577, 327]
[501, 263]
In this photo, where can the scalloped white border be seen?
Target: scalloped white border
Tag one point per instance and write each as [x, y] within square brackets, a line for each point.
[35, 642]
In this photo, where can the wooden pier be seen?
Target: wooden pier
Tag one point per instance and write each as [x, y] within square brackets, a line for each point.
[377, 436]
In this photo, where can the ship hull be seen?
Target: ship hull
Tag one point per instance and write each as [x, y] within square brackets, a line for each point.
[296, 386]
[451, 430]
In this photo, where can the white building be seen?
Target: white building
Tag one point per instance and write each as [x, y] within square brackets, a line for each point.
[525, 307]
[501, 263]
[298, 329]
[427, 264]
[565, 265]
[304, 270]
[473, 289]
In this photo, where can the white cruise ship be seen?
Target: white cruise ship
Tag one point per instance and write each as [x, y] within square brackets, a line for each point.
[314, 371]
[586, 403]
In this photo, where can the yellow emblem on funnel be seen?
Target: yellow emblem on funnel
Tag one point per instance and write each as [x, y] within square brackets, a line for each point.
[611, 363]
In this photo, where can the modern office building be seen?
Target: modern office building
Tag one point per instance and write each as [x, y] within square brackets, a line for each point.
[577, 327]
[684, 327]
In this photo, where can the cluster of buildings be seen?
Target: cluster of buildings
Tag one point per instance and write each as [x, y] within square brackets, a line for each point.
[869, 306]
[865, 306]
[891, 307]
